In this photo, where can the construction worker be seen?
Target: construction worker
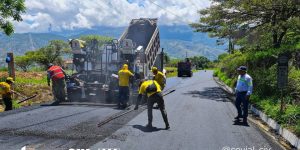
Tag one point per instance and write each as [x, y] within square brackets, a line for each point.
[243, 90]
[124, 77]
[153, 92]
[6, 92]
[57, 75]
[159, 77]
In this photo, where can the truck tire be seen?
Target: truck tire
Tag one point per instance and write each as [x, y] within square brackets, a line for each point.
[179, 74]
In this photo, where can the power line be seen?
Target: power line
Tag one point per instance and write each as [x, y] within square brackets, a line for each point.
[194, 5]
[183, 19]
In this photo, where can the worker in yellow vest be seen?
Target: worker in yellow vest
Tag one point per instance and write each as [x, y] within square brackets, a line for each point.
[124, 77]
[153, 92]
[159, 77]
[6, 92]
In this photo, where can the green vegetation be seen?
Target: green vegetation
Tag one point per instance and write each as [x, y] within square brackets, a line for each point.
[28, 84]
[10, 10]
[52, 53]
[199, 62]
[171, 72]
[101, 39]
[262, 30]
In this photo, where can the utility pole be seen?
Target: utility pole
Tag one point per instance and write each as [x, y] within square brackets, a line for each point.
[11, 65]
[162, 59]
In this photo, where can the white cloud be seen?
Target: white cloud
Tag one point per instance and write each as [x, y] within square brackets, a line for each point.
[72, 14]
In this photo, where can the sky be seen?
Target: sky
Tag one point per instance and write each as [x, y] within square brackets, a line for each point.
[57, 15]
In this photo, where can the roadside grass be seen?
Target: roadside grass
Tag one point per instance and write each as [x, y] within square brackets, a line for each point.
[172, 71]
[28, 84]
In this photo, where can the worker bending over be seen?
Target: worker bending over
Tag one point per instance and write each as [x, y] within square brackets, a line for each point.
[153, 92]
[57, 75]
[6, 92]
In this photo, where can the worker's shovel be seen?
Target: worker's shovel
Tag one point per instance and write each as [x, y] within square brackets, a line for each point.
[27, 98]
[24, 97]
[168, 92]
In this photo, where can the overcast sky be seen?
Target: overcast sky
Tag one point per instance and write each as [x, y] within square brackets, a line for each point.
[74, 14]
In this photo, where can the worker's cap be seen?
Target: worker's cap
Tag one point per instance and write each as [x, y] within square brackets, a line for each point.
[50, 65]
[242, 68]
[10, 79]
[154, 69]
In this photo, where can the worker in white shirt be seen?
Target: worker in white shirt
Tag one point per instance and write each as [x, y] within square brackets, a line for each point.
[244, 88]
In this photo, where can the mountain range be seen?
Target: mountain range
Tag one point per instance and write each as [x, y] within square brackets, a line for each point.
[177, 41]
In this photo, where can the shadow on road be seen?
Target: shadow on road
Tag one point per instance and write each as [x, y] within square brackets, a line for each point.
[238, 123]
[211, 93]
[146, 129]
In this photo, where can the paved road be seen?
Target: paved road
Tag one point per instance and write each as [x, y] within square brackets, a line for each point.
[200, 118]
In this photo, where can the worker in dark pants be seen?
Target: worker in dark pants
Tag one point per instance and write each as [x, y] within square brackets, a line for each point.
[6, 92]
[124, 77]
[153, 91]
[243, 90]
[57, 75]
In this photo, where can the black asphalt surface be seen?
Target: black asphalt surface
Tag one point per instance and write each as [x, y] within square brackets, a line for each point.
[200, 116]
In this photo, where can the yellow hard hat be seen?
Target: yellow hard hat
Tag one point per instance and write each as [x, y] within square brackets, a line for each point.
[10, 79]
[125, 66]
[154, 69]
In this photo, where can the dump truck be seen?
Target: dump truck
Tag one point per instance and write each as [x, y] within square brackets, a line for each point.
[184, 68]
[97, 64]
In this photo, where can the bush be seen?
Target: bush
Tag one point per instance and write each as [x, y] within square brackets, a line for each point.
[297, 128]
[15, 104]
[216, 72]
[265, 81]
[3, 69]
[294, 85]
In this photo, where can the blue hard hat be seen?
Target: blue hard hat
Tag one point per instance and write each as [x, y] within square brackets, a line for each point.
[8, 59]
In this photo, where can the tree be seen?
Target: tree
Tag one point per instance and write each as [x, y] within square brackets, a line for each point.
[24, 62]
[51, 53]
[10, 10]
[166, 58]
[201, 62]
[235, 20]
[222, 56]
[89, 39]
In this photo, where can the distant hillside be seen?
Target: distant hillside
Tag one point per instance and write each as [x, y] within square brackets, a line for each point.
[175, 39]
[179, 49]
[20, 43]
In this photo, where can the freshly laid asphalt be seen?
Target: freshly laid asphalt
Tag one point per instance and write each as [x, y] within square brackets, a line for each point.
[200, 116]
